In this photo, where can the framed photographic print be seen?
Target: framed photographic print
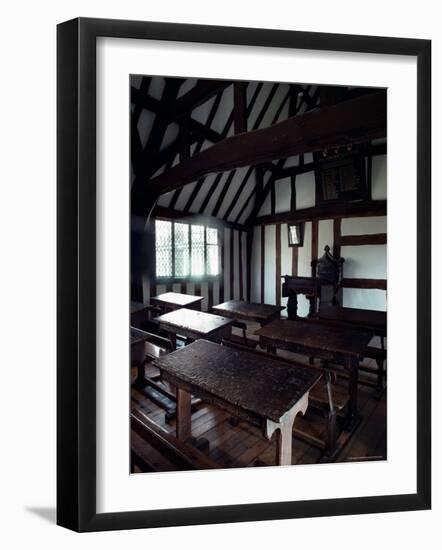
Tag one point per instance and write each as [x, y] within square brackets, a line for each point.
[193, 386]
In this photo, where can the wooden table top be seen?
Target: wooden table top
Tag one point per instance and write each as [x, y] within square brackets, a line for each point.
[261, 387]
[195, 321]
[239, 309]
[367, 318]
[312, 336]
[177, 299]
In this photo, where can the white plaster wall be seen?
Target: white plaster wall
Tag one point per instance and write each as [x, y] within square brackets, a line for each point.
[379, 177]
[325, 235]
[364, 226]
[365, 298]
[255, 293]
[305, 190]
[283, 194]
[365, 262]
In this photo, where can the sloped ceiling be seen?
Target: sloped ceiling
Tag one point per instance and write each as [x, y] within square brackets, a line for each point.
[176, 118]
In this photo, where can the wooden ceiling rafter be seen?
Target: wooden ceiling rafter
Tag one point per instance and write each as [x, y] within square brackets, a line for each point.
[249, 172]
[158, 130]
[219, 176]
[200, 182]
[255, 126]
[328, 211]
[355, 121]
[295, 91]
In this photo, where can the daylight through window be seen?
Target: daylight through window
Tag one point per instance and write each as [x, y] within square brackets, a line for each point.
[186, 250]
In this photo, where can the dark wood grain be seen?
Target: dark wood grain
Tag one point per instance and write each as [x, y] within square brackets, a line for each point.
[337, 223]
[323, 341]
[354, 121]
[380, 284]
[366, 319]
[255, 388]
[356, 240]
[248, 311]
[326, 212]
[263, 255]
[278, 265]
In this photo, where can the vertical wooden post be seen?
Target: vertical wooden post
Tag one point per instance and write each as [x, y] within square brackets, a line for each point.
[337, 222]
[232, 263]
[278, 265]
[262, 262]
[314, 240]
[240, 234]
[240, 107]
[250, 234]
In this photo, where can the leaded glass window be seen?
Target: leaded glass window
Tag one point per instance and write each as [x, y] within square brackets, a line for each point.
[181, 249]
[163, 232]
[186, 250]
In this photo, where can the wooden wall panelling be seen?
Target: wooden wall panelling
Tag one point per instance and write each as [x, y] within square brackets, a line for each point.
[380, 284]
[355, 240]
[241, 290]
[337, 223]
[262, 262]
[314, 254]
[278, 265]
[232, 264]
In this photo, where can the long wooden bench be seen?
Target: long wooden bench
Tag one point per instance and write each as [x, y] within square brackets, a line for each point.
[242, 340]
[177, 455]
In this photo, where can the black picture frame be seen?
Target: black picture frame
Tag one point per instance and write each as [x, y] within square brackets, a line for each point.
[76, 272]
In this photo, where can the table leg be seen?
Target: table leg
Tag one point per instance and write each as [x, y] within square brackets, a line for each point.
[352, 412]
[285, 427]
[183, 414]
[292, 306]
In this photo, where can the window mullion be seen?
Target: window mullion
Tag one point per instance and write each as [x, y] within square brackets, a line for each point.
[205, 250]
[173, 249]
[190, 251]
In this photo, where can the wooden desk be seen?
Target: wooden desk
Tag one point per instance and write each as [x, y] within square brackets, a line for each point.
[264, 391]
[365, 319]
[195, 324]
[248, 311]
[329, 343]
[170, 301]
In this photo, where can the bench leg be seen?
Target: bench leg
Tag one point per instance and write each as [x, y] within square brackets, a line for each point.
[352, 412]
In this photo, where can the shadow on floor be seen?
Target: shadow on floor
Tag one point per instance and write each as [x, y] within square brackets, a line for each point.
[46, 513]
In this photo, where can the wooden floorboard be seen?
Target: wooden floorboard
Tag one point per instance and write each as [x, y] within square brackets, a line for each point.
[233, 445]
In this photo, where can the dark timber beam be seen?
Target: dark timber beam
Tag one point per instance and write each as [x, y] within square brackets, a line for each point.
[240, 107]
[199, 94]
[170, 114]
[355, 121]
[327, 212]
[171, 214]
